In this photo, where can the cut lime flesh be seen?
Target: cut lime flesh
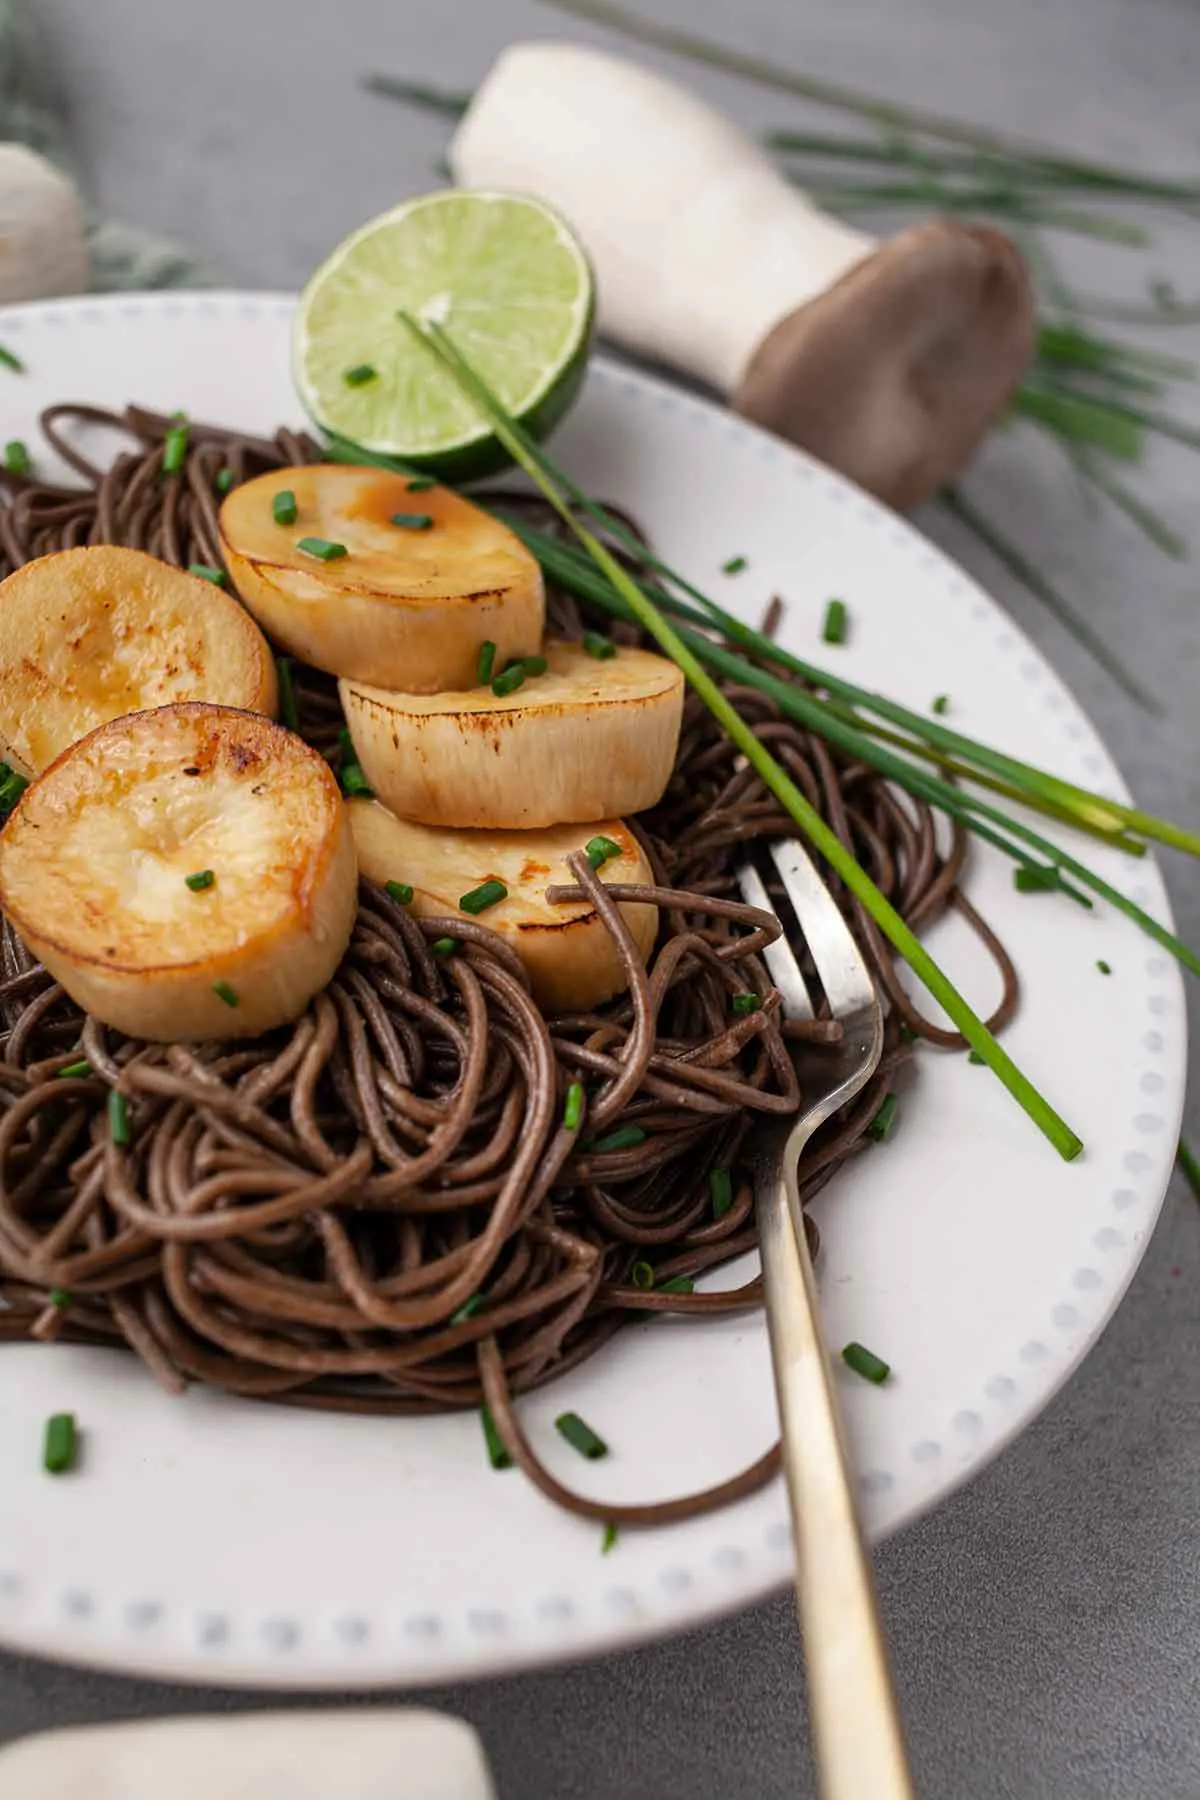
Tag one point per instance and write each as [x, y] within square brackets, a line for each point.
[506, 280]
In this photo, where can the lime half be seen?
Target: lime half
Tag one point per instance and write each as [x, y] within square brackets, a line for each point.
[504, 277]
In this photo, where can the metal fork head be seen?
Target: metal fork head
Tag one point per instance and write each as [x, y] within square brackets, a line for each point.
[830, 1075]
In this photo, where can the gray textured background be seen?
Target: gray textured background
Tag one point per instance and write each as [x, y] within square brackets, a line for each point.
[1046, 1621]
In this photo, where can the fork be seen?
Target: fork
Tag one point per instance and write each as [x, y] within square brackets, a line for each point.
[858, 1737]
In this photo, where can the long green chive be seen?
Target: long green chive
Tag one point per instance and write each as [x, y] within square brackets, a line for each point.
[864, 1362]
[1104, 968]
[625, 1137]
[733, 565]
[16, 457]
[225, 480]
[9, 361]
[445, 946]
[1150, 523]
[60, 1297]
[720, 1191]
[881, 1125]
[485, 662]
[413, 521]
[203, 878]
[836, 623]
[742, 1004]
[75, 1071]
[209, 572]
[399, 891]
[1035, 880]
[597, 645]
[175, 445]
[224, 992]
[355, 785]
[497, 1455]
[324, 549]
[289, 711]
[609, 1540]
[941, 705]
[642, 1275]
[420, 484]
[284, 510]
[573, 1107]
[488, 893]
[1189, 1164]
[678, 1284]
[62, 1441]
[449, 101]
[600, 850]
[509, 680]
[580, 1436]
[118, 1119]
[468, 1309]
[359, 375]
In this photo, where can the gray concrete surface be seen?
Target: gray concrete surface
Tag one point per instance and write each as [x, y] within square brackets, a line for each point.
[1046, 1621]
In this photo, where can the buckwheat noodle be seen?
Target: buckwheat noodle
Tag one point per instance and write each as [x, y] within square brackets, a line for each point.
[379, 1209]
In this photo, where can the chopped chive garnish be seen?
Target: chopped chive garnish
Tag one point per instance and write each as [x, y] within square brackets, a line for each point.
[359, 375]
[741, 1004]
[399, 891]
[720, 1189]
[443, 946]
[733, 565]
[346, 745]
[573, 1107]
[973, 1056]
[224, 992]
[623, 1138]
[597, 645]
[413, 521]
[12, 786]
[74, 1071]
[864, 1362]
[1034, 878]
[289, 712]
[61, 1443]
[9, 361]
[941, 704]
[497, 1455]
[118, 1119]
[881, 1125]
[468, 1309]
[284, 510]
[208, 572]
[678, 1284]
[1104, 968]
[533, 665]
[580, 1436]
[1189, 1166]
[837, 620]
[907, 1034]
[488, 893]
[225, 480]
[509, 680]
[600, 850]
[60, 1297]
[16, 457]
[174, 449]
[485, 662]
[355, 785]
[608, 1541]
[642, 1275]
[420, 484]
[203, 878]
[324, 549]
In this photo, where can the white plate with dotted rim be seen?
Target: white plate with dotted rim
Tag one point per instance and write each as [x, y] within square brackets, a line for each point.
[227, 1542]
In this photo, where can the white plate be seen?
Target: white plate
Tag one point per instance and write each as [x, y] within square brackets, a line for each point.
[223, 1541]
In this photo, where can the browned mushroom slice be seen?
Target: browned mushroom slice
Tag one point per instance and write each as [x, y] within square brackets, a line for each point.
[894, 374]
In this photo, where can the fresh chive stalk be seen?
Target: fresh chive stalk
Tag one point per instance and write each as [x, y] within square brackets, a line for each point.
[209, 572]
[1189, 1164]
[468, 1309]
[678, 1284]
[573, 1107]
[836, 623]
[421, 484]
[443, 946]
[580, 1436]
[8, 360]
[203, 878]
[742, 1004]
[600, 850]
[225, 992]
[16, 457]
[399, 891]
[60, 1297]
[75, 1071]
[642, 1275]
[882, 1125]
[488, 893]
[609, 1540]
[359, 375]
[625, 1137]
[485, 662]
[175, 445]
[284, 509]
[720, 1191]
[412, 521]
[224, 481]
[497, 1455]
[324, 549]
[864, 1362]
[733, 565]
[118, 1120]
[509, 680]
[61, 1445]
[597, 645]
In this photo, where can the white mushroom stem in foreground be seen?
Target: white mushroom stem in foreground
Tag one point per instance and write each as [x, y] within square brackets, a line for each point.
[887, 362]
[42, 247]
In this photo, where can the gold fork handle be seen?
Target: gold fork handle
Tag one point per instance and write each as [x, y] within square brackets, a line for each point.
[858, 1737]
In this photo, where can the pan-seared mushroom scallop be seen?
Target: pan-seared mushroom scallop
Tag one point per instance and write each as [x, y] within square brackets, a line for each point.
[585, 740]
[187, 873]
[89, 634]
[572, 961]
[357, 574]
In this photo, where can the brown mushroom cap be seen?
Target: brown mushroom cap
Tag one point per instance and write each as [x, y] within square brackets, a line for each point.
[894, 374]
